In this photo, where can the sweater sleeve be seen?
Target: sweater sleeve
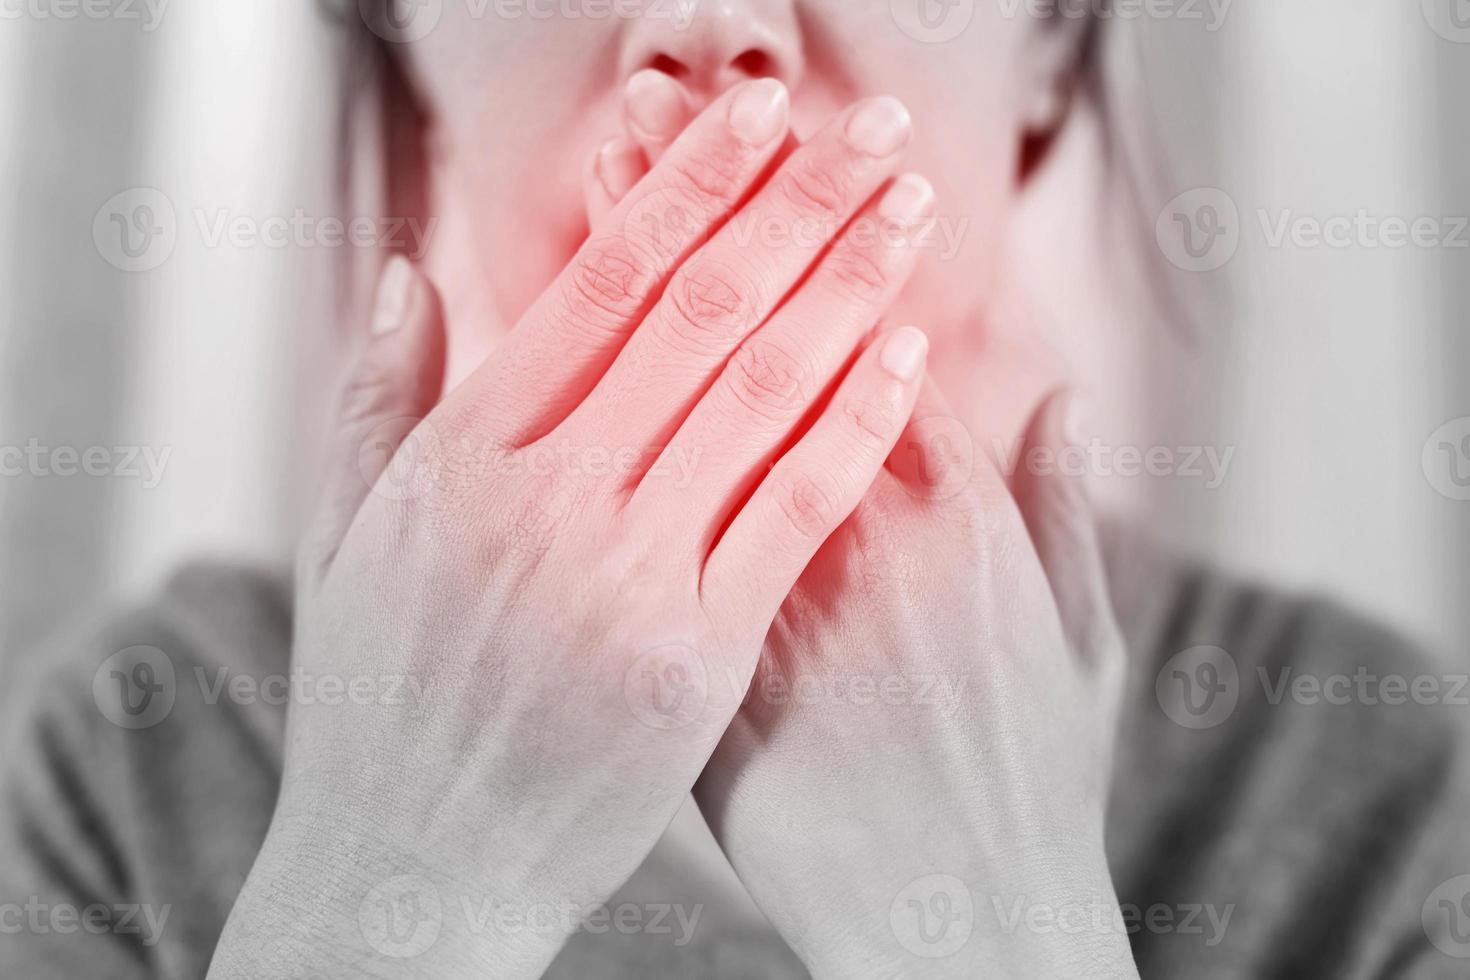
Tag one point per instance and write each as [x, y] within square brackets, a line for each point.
[136, 784]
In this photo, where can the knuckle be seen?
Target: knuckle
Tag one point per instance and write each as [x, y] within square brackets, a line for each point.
[873, 424]
[710, 303]
[530, 520]
[813, 188]
[712, 179]
[608, 280]
[808, 506]
[767, 380]
[855, 273]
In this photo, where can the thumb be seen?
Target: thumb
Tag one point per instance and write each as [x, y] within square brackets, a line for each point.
[395, 381]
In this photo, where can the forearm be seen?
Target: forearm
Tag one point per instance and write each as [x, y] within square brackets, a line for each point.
[941, 926]
[350, 906]
[922, 886]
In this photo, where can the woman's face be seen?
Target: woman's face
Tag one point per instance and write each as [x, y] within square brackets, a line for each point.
[521, 93]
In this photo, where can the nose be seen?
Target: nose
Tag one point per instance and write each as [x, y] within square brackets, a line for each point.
[710, 45]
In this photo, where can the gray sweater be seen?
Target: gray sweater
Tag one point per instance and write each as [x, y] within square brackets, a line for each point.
[1290, 801]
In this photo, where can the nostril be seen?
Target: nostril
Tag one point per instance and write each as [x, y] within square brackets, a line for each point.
[755, 63]
[669, 66]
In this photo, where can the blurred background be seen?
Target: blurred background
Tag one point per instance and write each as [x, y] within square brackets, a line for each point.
[1336, 375]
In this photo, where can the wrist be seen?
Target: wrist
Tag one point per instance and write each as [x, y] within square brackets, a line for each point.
[1056, 924]
[338, 903]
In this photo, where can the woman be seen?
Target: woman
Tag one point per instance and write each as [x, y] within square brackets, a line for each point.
[640, 489]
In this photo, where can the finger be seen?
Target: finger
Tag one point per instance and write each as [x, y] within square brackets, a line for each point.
[814, 487]
[776, 376]
[609, 176]
[394, 383]
[623, 173]
[656, 108]
[1051, 491]
[730, 286]
[562, 346]
[941, 460]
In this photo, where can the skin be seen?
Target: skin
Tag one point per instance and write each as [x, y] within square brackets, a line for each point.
[593, 642]
[558, 86]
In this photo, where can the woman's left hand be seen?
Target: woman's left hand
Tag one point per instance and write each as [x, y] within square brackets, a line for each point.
[916, 782]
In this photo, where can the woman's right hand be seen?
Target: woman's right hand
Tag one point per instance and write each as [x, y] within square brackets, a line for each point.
[573, 560]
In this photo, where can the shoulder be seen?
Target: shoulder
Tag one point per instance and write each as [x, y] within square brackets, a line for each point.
[1292, 760]
[140, 770]
[126, 672]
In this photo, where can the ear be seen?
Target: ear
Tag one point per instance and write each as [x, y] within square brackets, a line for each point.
[1055, 62]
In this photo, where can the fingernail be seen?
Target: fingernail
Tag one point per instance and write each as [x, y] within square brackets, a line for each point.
[904, 352]
[619, 165]
[911, 197]
[880, 127]
[758, 114]
[392, 301]
[654, 104]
